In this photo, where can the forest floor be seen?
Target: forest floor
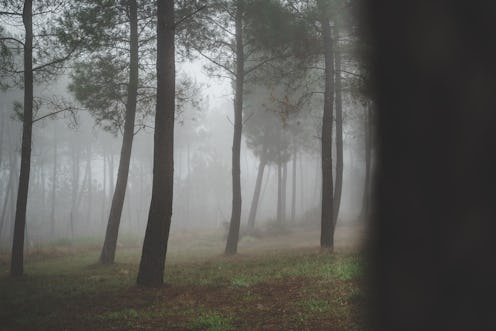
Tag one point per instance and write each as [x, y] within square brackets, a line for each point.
[276, 283]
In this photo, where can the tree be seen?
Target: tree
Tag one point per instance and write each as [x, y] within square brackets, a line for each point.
[151, 269]
[224, 35]
[54, 57]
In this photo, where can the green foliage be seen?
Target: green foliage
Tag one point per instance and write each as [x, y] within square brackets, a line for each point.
[212, 322]
[315, 305]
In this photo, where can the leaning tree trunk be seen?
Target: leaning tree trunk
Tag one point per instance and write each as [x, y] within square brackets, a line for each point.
[107, 255]
[327, 224]
[233, 236]
[339, 133]
[17, 261]
[151, 269]
[256, 193]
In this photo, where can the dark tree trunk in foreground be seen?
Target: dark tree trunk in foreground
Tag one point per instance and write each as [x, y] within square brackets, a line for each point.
[256, 194]
[233, 236]
[434, 215]
[338, 189]
[365, 213]
[151, 269]
[17, 260]
[107, 255]
[327, 216]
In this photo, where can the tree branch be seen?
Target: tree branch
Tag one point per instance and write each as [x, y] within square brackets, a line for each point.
[13, 39]
[176, 24]
[216, 63]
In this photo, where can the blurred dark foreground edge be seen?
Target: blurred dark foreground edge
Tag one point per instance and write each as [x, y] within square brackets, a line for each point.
[433, 246]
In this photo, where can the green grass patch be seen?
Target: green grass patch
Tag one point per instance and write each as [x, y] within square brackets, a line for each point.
[212, 322]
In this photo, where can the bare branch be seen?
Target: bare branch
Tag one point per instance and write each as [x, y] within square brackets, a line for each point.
[10, 13]
[176, 24]
[216, 63]
[13, 39]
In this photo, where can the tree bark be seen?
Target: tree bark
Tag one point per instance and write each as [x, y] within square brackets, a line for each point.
[327, 224]
[17, 260]
[256, 194]
[338, 189]
[151, 269]
[54, 184]
[233, 236]
[284, 191]
[293, 182]
[368, 157]
[279, 193]
[107, 255]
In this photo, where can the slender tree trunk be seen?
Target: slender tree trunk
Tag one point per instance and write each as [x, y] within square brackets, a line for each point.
[54, 184]
[284, 191]
[233, 236]
[108, 251]
[302, 188]
[327, 224]
[338, 189]
[17, 260]
[293, 182]
[256, 194]
[2, 125]
[151, 270]
[10, 187]
[368, 148]
[90, 192]
[104, 187]
[279, 193]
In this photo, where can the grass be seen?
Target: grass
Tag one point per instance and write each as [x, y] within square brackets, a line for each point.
[274, 290]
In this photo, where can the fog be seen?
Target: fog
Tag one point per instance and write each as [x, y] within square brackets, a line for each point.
[75, 163]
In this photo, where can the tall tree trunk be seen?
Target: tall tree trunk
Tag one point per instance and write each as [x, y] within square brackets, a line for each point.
[8, 190]
[90, 191]
[75, 187]
[233, 236]
[2, 125]
[17, 260]
[293, 182]
[327, 224]
[104, 186]
[279, 193]
[54, 184]
[339, 131]
[284, 191]
[107, 255]
[368, 153]
[151, 269]
[256, 194]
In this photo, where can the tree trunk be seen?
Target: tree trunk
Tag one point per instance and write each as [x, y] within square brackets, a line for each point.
[368, 153]
[339, 132]
[89, 212]
[233, 236]
[327, 224]
[279, 193]
[54, 184]
[151, 270]
[108, 251]
[17, 261]
[104, 186]
[283, 190]
[256, 194]
[293, 182]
